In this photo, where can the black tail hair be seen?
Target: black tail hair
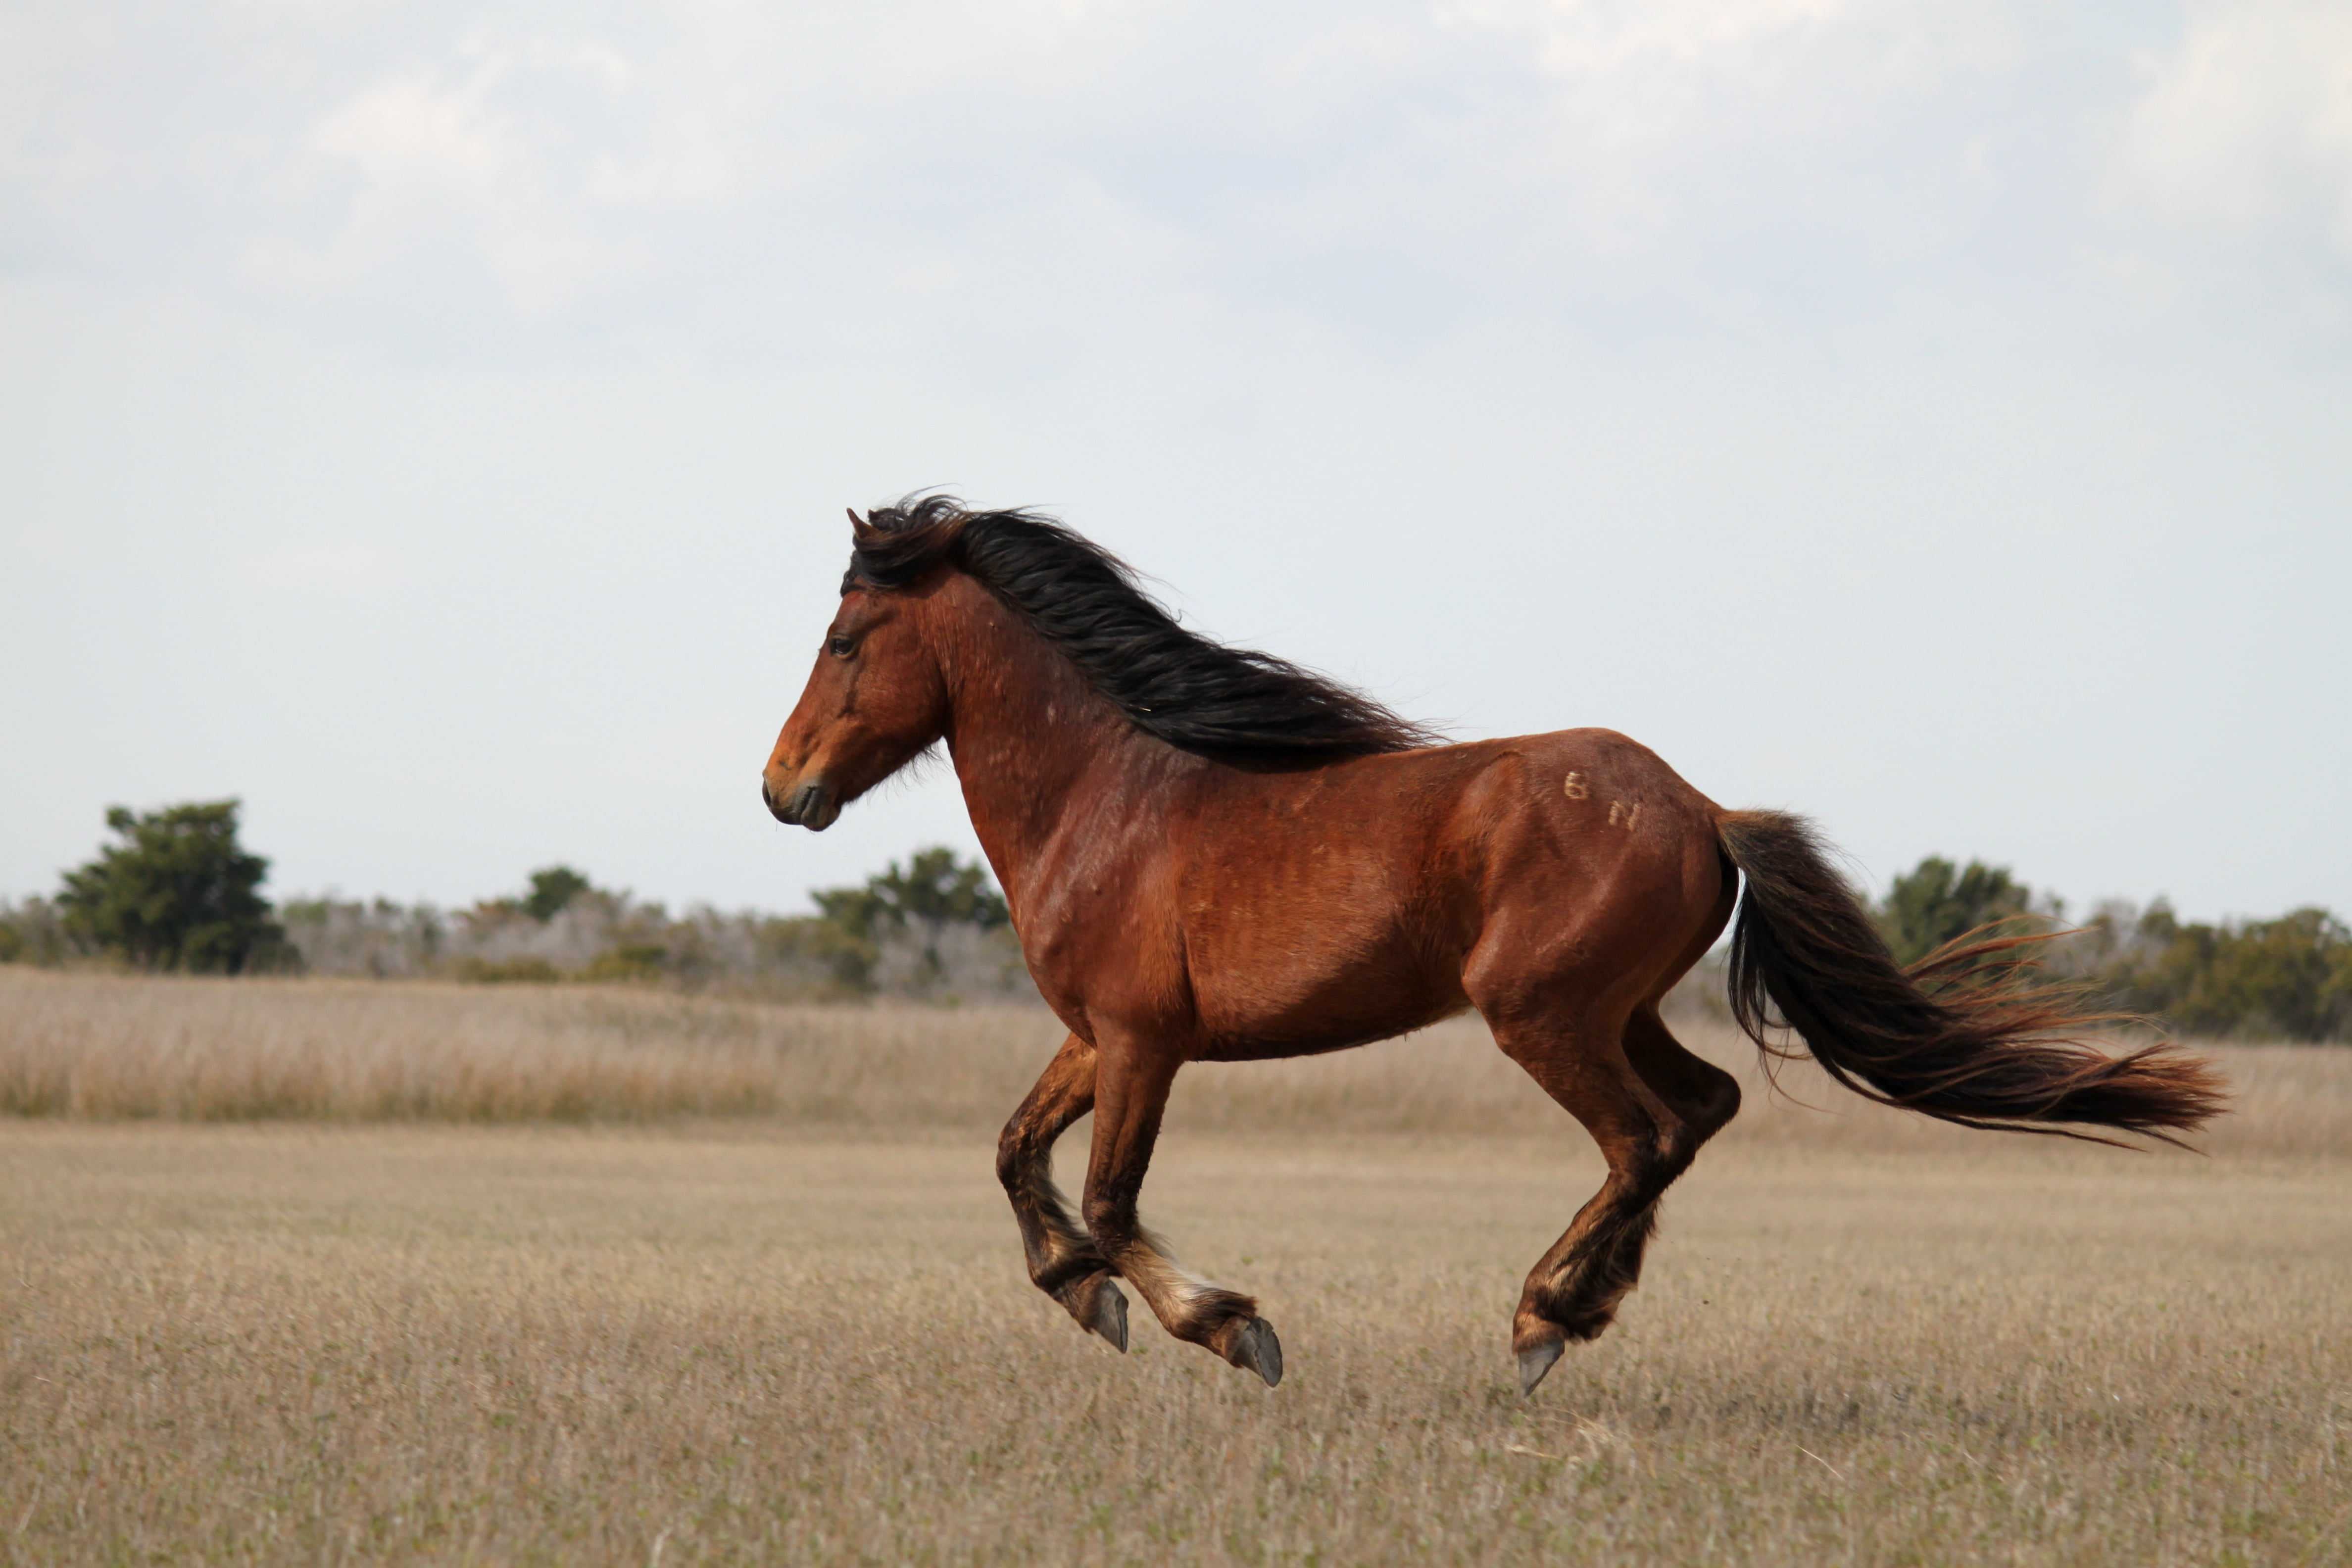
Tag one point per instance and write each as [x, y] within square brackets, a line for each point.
[1968, 1033]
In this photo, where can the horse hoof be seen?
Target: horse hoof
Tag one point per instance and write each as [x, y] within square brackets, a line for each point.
[1110, 1315]
[1534, 1362]
[1256, 1349]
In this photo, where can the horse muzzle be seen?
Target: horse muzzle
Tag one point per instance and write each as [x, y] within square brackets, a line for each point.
[812, 806]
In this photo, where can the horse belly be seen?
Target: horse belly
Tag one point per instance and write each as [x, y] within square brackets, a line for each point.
[1317, 959]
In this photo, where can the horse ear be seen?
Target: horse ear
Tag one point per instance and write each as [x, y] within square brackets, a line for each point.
[860, 529]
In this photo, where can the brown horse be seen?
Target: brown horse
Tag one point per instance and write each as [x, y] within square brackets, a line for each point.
[1211, 855]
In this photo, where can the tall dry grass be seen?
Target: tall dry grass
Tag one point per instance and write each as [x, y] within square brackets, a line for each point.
[105, 1047]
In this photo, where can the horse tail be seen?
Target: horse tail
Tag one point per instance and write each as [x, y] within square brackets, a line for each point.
[1966, 1035]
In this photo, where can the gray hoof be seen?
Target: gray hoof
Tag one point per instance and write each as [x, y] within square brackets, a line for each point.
[1110, 1315]
[1534, 1362]
[1256, 1347]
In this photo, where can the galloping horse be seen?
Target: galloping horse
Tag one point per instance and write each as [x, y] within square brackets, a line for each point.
[1213, 855]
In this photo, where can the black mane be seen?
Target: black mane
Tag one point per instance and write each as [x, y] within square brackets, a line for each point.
[1202, 696]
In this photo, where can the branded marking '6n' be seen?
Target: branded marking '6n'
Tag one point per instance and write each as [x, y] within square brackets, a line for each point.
[1574, 786]
[1619, 812]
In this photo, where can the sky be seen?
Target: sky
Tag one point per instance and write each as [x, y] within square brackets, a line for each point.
[431, 422]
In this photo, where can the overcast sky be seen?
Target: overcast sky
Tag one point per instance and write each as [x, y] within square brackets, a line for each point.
[431, 422]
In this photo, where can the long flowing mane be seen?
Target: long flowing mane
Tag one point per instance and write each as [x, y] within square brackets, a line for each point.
[1202, 696]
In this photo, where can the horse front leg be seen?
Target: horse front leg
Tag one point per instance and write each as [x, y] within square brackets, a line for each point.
[1064, 1261]
[1131, 1084]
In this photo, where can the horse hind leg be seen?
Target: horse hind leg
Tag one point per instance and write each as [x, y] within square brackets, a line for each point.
[1064, 1260]
[1701, 1094]
[1573, 1291]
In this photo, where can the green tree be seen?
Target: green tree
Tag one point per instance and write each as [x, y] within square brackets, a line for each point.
[935, 891]
[2289, 978]
[178, 892]
[1937, 901]
[553, 887]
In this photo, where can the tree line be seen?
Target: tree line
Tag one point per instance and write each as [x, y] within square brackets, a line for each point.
[176, 891]
[2283, 979]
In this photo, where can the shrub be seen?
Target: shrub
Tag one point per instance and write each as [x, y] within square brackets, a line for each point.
[512, 971]
[637, 961]
[934, 895]
[2289, 978]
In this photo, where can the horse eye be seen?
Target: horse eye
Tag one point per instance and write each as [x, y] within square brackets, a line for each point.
[840, 647]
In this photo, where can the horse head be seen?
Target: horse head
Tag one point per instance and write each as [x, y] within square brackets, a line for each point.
[875, 701]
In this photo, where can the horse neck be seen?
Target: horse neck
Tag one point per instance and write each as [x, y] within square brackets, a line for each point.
[1039, 751]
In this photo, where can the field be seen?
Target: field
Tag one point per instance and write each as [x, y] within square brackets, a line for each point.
[324, 1272]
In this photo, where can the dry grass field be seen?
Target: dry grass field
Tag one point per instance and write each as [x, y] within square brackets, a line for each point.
[309, 1272]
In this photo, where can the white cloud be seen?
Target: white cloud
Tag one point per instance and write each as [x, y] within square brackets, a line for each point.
[446, 164]
[2246, 128]
[1032, 179]
[343, 565]
[43, 543]
[1579, 37]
